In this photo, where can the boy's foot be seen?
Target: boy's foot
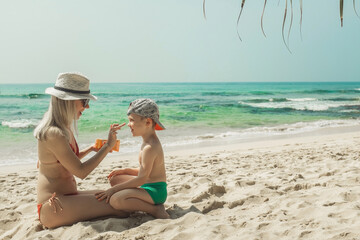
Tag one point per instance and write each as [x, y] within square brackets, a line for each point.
[161, 213]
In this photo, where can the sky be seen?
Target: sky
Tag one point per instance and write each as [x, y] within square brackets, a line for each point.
[170, 41]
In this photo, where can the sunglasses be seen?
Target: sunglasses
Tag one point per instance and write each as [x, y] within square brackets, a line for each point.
[85, 102]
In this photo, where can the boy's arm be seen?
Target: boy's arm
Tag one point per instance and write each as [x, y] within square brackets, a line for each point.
[59, 146]
[132, 171]
[124, 171]
[147, 160]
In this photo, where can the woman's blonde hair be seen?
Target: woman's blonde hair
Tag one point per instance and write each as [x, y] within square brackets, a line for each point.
[60, 116]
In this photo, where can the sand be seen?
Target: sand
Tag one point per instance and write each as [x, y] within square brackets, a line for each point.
[291, 188]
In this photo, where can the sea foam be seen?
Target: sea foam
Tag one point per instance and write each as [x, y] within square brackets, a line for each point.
[21, 123]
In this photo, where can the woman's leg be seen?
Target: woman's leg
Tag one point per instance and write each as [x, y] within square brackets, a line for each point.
[89, 191]
[76, 208]
[137, 200]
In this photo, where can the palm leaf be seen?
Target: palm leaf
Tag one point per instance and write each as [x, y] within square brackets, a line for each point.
[283, 27]
[341, 11]
[262, 16]
[284, 19]
[355, 9]
[204, 9]
[237, 24]
[301, 14]
[291, 22]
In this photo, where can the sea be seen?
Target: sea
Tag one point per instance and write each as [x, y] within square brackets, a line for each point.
[194, 114]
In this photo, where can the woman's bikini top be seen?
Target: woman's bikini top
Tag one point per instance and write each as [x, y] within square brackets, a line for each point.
[76, 148]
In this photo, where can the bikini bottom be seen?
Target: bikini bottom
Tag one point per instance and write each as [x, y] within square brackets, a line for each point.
[51, 201]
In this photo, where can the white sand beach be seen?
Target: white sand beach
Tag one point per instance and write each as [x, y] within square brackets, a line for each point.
[291, 188]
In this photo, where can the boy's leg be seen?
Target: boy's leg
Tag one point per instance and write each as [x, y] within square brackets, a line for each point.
[137, 200]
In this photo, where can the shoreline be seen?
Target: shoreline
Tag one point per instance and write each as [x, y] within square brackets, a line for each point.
[211, 147]
[186, 138]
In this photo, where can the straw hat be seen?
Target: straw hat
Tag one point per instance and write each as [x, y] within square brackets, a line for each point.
[71, 86]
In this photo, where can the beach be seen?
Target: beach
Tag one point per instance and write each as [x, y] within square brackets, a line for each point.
[262, 119]
[288, 187]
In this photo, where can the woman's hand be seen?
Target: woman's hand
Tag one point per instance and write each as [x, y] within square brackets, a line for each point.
[94, 148]
[112, 134]
[105, 195]
[116, 172]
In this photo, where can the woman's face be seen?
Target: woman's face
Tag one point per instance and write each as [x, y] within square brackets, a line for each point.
[79, 106]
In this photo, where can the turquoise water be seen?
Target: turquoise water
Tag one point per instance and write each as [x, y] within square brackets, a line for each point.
[192, 112]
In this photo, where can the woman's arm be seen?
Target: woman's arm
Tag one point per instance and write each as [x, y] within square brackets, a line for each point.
[86, 151]
[60, 147]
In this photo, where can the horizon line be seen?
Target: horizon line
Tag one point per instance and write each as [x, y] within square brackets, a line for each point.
[198, 82]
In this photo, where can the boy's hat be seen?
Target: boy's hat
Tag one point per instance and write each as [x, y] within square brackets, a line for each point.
[71, 86]
[146, 108]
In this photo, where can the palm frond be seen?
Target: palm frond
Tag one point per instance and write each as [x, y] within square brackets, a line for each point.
[262, 16]
[291, 22]
[204, 9]
[237, 24]
[301, 14]
[283, 26]
[287, 41]
[355, 9]
[341, 11]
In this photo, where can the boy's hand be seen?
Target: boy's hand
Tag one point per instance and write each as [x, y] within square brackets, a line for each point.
[93, 148]
[116, 172]
[105, 195]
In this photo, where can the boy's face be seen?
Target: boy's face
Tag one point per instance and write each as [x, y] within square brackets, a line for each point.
[137, 124]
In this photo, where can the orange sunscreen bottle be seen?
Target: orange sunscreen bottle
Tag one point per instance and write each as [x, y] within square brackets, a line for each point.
[100, 142]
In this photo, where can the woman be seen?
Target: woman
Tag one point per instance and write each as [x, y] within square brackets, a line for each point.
[59, 201]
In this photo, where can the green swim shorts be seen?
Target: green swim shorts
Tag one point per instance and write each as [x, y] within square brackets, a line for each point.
[157, 191]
